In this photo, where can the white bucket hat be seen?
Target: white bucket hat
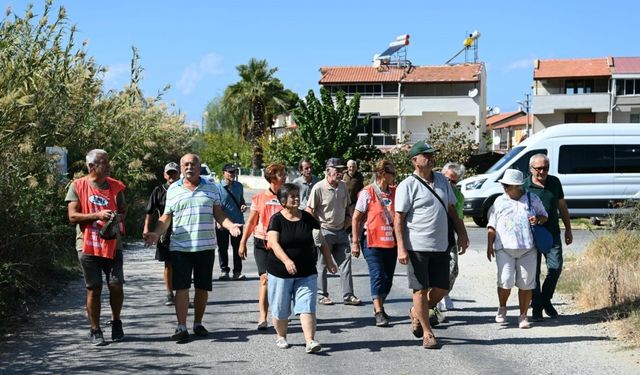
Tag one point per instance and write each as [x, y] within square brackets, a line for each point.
[512, 177]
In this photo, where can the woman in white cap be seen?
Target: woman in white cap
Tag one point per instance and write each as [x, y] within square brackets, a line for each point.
[510, 240]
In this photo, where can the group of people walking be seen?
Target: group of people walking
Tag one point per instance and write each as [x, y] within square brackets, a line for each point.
[295, 226]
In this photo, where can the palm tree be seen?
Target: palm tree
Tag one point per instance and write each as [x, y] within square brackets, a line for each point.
[254, 99]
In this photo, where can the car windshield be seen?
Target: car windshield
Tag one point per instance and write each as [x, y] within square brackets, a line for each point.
[505, 159]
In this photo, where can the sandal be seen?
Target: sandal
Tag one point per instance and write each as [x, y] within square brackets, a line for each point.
[430, 342]
[416, 327]
[325, 301]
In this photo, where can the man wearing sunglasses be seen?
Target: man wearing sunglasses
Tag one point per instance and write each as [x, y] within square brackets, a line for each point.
[549, 189]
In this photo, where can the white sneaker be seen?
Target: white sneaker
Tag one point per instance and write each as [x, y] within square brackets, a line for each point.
[448, 303]
[523, 322]
[501, 316]
[282, 343]
[313, 347]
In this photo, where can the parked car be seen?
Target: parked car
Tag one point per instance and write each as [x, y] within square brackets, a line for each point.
[598, 165]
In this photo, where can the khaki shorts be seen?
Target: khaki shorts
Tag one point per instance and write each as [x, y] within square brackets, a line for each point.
[517, 267]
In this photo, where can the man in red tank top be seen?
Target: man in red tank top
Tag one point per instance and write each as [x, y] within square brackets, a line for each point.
[95, 201]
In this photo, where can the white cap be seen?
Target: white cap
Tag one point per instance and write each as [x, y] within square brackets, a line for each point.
[512, 177]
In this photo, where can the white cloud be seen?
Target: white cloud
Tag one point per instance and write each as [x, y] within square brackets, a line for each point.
[115, 75]
[194, 73]
[521, 64]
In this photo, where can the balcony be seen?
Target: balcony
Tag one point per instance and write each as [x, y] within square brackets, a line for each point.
[548, 104]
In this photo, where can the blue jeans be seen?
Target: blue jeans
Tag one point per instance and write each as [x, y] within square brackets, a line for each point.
[542, 294]
[382, 265]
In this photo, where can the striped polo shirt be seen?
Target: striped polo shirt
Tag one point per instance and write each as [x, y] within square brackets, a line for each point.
[193, 224]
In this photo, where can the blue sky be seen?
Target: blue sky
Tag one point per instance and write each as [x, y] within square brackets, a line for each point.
[196, 45]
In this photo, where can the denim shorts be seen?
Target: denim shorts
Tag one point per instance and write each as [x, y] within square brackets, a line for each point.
[301, 291]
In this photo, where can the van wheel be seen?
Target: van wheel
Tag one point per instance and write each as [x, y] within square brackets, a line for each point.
[480, 221]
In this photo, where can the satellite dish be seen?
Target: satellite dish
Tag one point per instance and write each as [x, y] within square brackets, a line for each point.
[496, 110]
[473, 93]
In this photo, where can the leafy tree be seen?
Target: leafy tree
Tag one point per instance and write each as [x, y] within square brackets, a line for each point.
[254, 100]
[51, 94]
[453, 142]
[326, 128]
[219, 148]
[218, 118]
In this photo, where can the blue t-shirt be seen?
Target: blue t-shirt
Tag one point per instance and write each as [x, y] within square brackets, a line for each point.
[226, 201]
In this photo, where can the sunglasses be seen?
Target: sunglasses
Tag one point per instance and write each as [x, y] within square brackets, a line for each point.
[540, 169]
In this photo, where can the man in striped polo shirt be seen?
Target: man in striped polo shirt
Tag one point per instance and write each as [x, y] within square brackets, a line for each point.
[192, 206]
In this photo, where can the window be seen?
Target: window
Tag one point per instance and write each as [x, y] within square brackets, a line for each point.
[578, 86]
[383, 131]
[581, 159]
[370, 90]
[573, 117]
[627, 159]
[627, 87]
[635, 118]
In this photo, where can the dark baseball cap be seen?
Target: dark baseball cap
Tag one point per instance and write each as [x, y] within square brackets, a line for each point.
[171, 167]
[229, 167]
[421, 147]
[335, 163]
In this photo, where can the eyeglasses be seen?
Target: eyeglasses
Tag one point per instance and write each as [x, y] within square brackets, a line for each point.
[540, 169]
[506, 187]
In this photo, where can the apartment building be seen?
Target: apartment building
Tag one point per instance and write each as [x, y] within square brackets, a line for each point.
[409, 99]
[600, 90]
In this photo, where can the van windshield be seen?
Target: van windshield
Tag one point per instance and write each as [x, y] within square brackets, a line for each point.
[204, 171]
[505, 159]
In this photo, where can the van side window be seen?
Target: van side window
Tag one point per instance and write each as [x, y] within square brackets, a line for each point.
[522, 164]
[627, 159]
[582, 159]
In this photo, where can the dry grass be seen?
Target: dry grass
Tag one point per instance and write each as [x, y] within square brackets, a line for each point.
[607, 278]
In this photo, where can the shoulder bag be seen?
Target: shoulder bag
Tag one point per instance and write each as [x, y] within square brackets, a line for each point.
[541, 235]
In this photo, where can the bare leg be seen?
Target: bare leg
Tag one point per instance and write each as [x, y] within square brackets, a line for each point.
[524, 298]
[503, 296]
[308, 322]
[93, 306]
[281, 327]
[116, 299]
[263, 301]
[167, 277]
[378, 304]
[421, 310]
[182, 305]
[435, 295]
[200, 304]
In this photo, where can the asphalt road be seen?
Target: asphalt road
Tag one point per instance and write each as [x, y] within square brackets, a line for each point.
[55, 341]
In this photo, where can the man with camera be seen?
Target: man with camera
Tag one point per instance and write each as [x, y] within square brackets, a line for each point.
[96, 205]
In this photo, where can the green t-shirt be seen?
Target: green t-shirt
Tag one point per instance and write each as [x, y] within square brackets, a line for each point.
[72, 196]
[549, 195]
[459, 202]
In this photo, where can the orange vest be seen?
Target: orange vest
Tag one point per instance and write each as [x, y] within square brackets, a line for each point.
[93, 199]
[267, 204]
[379, 230]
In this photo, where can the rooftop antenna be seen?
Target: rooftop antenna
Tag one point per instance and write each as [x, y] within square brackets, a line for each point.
[469, 44]
[395, 54]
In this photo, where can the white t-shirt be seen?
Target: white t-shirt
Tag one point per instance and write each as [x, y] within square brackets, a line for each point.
[426, 219]
[510, 219]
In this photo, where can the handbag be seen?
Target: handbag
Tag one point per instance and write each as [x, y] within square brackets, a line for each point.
[541, 235]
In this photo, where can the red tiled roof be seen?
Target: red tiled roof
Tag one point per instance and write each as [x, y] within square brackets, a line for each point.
[356, 74]
[445, 73]
[518, 121]
[571, 68]
[494, 119]
[622, 65]
[363, 74]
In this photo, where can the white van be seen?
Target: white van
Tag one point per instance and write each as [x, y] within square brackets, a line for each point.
[598, 165]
